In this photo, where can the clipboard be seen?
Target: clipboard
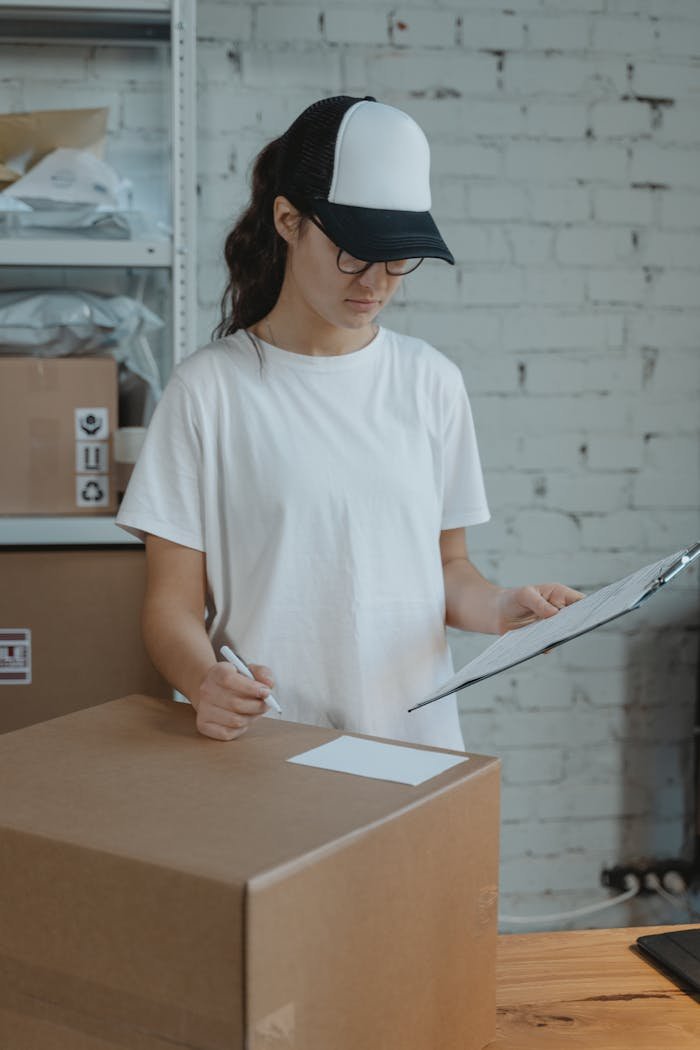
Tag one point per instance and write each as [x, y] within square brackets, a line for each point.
[596, 609]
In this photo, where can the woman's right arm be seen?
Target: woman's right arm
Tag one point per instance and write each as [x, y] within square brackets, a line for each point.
[226, 701]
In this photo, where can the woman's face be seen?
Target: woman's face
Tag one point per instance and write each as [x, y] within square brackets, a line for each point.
[344, 300]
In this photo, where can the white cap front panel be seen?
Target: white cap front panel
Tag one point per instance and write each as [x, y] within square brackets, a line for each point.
[382, 160]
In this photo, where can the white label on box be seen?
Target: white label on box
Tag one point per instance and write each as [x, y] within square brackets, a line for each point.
[91, 424]
[92, 457]
[372, 758]
[15, 656]
[92, 490]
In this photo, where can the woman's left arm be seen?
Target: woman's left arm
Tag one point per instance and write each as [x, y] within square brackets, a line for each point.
[474, 604]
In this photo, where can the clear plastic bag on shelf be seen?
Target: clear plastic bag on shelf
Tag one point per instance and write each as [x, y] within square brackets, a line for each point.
[71, 176]
[60, 323]
[79, 221]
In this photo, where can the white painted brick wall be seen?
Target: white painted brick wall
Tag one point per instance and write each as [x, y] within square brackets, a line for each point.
[566, 178]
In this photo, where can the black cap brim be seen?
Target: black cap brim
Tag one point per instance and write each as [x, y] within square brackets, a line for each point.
[380, 235]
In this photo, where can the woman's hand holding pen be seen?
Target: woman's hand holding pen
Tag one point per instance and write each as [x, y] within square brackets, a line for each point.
[518, 606]
[228, 702]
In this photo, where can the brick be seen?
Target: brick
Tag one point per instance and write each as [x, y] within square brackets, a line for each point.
[418, 71]
[591, 245]
[623, 206]
[617, 286]
[551, 204]
[507, 488]
[530, 74]
[674, 8]
[631, 36]
[650, 488]
[449, 199]
[493, 119]
[466, 159]
[544, 532]
[427, 28]
[553, 416]
[486, 372]
[678, 39]
[44, 62]
[555, 287]
[665, 79]
[673, 331]
[219, 65]
[445, 328]
[502, 287]
[350, 26]
[679, 124]
[224, 20]
[676, 288]
[555, 331]
[604, 492]
[613, 532]
[667, 165]
[553, 873]
[619, 453]
[673, 371]
[621, 119]
[471, 243]
[530, 244]
[533, 765]
[145, 111]
[278, 23]
[560, 161]
[673, 249]
[502, 33]
[558, 32]
[552, 120]
[680, 454]
[273, 69]
[434, 282]
[119, 65]
[579, 373]
[559, 6]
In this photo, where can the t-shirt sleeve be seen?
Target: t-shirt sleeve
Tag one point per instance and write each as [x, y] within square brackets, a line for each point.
[164, 495]
[464, 497]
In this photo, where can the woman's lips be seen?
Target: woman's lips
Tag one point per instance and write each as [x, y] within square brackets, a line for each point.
[363, 305]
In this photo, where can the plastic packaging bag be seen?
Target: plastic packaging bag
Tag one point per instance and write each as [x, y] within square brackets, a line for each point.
[58, 323]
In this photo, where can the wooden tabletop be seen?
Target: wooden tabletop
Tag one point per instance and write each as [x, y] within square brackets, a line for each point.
[588, 990]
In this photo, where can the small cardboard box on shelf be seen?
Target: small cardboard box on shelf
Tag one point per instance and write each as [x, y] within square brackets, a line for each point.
[57, 417]
[70, 631]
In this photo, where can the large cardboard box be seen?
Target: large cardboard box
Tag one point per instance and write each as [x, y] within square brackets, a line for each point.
[160, 890]
[70, 631]
[57, 416]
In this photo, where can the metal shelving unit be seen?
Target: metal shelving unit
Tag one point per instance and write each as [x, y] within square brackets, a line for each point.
[163, 23]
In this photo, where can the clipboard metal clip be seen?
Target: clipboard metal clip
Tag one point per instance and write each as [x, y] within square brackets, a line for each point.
[678, 565]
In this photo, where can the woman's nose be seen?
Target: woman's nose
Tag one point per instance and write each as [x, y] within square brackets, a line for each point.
[374, 276]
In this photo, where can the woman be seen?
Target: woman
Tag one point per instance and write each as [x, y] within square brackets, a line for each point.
[307, 478]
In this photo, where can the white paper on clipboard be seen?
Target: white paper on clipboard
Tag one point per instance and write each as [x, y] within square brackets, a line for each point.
[590, 612]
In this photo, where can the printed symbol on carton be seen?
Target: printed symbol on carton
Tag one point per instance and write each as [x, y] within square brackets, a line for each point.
[15, 656]
[91, 456]
[91, 423]
[92, 491]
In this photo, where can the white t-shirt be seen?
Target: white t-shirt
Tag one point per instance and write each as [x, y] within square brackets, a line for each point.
[318, 488]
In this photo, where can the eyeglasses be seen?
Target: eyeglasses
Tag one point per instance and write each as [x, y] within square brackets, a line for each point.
[347, 263]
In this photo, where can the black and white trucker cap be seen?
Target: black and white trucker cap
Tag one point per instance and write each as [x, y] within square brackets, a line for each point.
[364, 168]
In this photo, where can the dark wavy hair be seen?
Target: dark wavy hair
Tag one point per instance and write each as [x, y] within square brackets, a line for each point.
[255, 253]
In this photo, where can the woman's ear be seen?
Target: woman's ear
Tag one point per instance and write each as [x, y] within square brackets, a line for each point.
[286, 219]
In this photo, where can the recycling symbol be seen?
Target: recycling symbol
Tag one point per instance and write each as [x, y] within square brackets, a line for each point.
[92, 492]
